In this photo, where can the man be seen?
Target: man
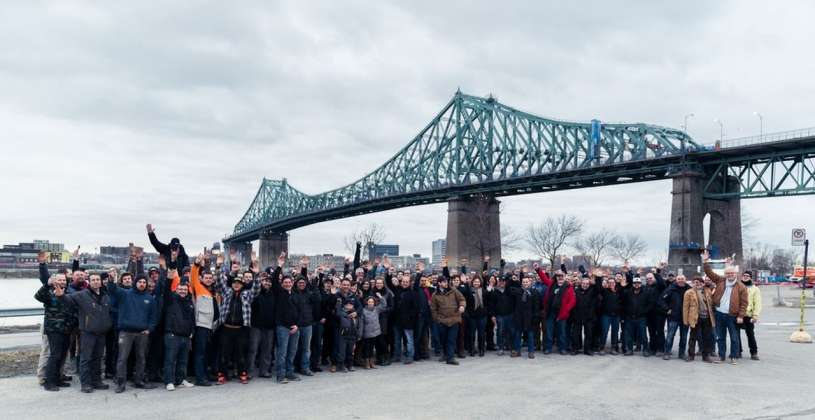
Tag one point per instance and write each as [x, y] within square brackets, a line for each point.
[424, 322]
[137, 317]
[446, 307]
[179, 324]
[237, 293]
[406, 314]
[610, 309]
[287, 313]
[173, 253]
[730, 300]
[93, 306]
[655, 286]
[308, 300]
[557, 306]
[697, 314]
[525, 316]
[672, 302]
[57, 324]
[207, 315]
[261, 336]
[584, 314]
[500, 309]
[751, 315]
[636, 307]
[343, 296]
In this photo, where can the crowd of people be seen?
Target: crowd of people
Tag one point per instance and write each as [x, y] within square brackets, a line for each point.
[211, 319]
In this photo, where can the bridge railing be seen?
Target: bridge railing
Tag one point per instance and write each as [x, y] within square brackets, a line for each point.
[767, 138]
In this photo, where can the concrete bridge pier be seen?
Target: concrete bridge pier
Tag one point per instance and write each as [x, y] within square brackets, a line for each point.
[688, 210]
[270, 245]
[473, 231]
[243, 249]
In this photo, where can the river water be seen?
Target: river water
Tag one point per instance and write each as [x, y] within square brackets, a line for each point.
[19, 293]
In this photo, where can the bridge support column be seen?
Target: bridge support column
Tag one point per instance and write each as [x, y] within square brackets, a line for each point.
[473, 231]
[688, 210]
[270, 245]
[243, 249]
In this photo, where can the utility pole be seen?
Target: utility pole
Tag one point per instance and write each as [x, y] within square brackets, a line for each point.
[801, 336]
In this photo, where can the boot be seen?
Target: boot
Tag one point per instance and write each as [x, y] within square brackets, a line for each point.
[754, 357]
[706, 358]
[120, 386]
[366, 363]
[371, 363]
[691, 356]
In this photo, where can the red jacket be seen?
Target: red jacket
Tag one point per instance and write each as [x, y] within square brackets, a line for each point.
[566, 304]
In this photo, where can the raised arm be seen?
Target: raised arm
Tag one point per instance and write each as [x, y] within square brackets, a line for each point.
[715, 278]
[542, 274]
[357, 253]
[160, 247]
[44, 274]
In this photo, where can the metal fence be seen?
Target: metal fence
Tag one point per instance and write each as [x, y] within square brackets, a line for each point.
[767, 138]
[11, 313]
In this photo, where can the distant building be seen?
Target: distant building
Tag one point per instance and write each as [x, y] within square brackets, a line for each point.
[439, 251]
[378, 250]
[24, 254]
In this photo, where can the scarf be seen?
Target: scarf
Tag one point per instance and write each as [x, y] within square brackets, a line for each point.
[479, 299]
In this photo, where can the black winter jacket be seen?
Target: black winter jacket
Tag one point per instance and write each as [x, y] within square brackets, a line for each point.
[94, 310]
[406, 308]
[671, 301]
[263, 310]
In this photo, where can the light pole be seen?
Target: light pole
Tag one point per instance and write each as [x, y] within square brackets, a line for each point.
[721, 129]
[761, 125]
[685, 127]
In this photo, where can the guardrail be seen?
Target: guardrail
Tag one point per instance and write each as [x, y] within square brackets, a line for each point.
[10, 313]
[767, 138]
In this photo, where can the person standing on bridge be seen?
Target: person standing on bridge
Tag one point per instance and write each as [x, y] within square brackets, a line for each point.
[93, 307]
[730, 300]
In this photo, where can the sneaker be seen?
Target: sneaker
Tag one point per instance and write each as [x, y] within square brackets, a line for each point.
[50, 387]
[733, 361]
[614, 352]
[332, 369]
[754, 357]
[351, 368]
[666, 356]
[244, 378]
[64, 385]
[120, 386]
[515, 354]
[547, 352]
[282, 380]
[453, 362]
[531, 355]
[316, 369]
[101, 386]
[186, 384]
[629, 353]
[203, 383]
[221, 379]
[307, 373]
[500, 352]
[170, 387]
[408, 361]
[86, 389]
[293, 378]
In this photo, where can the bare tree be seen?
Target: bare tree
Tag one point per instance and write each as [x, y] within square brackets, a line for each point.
[549, 238]
[596, 246]
[371, 234]
[782, 261]
[510, 239]
[629, 247]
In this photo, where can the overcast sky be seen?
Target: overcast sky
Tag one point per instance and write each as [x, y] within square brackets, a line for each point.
[118, 114]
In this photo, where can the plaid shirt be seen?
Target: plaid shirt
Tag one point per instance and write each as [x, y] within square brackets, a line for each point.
[246, 295]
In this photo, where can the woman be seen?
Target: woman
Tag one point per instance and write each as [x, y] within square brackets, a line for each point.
[371, 329]
[383, 293]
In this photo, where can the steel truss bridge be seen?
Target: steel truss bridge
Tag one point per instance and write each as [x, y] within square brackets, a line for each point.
[478, 146]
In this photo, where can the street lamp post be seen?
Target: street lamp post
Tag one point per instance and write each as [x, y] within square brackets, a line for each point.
[721, 129]
[685, 127]
[761, 124]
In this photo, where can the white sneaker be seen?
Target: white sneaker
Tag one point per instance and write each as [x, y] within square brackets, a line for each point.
[170, 387]
[186, 384]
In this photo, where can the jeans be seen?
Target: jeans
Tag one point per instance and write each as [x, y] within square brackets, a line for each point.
[477, 326]
[345, 351]
[137, 342]
[448, 335]
[90, 359]
[304, 347]
[635, 329]
[435, 338]
[606, 322]
[316, 344]
[398, 335]
[260, 351]
[111, 348]
[683, 336]
[530, 339]
[57, 350]
[726, 324]
[656, 332]
[176, 351]
[552, 323]
[201, 342]
[286, 349]
[504, 331]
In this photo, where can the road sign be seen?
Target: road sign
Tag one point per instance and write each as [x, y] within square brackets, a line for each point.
[798, 237]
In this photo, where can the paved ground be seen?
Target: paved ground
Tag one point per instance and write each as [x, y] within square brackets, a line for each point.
[564, 387]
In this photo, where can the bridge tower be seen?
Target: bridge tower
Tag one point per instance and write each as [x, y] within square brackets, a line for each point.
[688, 210]
[270, 245]
[473, 230]
[244, 251]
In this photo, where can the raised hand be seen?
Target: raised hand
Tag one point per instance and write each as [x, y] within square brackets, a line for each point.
[386, 262]
[536, 266]
[42, 257]
[219, 260]
[705, 255]
[281, 259]
[420, 266]
[58, 291]
[444, 262]
[76, 253]
[486, 258]
[150, 228]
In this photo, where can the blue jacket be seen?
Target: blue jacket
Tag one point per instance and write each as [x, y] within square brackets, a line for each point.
[138, 311]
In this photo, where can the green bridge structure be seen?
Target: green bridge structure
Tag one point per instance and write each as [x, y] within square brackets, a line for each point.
[476, 149]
